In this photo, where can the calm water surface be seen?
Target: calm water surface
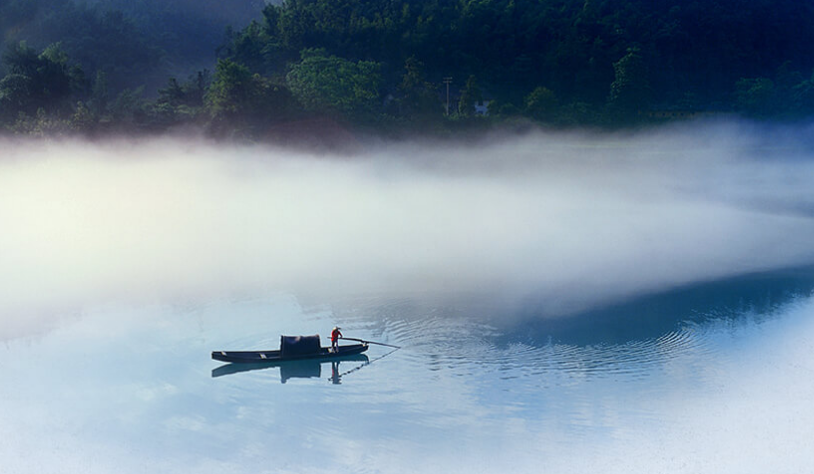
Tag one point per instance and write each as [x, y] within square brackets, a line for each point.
[715, 377]
[172, 247]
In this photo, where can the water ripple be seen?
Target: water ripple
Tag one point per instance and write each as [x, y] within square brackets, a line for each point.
[464, 347]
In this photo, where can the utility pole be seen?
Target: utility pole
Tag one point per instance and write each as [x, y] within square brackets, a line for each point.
[447, 81]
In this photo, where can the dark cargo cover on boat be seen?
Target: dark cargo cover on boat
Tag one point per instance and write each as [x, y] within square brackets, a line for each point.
[295, 346]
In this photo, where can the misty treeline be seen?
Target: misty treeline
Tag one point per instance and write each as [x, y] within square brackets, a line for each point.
[247, 67]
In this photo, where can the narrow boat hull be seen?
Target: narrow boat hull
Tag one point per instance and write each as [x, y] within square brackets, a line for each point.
[254, 357]
[298, 368]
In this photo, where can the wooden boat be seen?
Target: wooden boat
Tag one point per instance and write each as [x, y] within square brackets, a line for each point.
[274, 356]
[291, 348]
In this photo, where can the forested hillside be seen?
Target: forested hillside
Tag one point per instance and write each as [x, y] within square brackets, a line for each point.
[387, 63]
[134, 42]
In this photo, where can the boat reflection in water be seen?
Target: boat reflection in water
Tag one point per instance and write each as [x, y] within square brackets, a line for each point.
[302, 368]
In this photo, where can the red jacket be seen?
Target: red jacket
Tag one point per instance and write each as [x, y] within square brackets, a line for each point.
[335, 334]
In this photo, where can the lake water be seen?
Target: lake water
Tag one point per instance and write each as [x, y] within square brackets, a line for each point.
[569, 303]
[713, 377]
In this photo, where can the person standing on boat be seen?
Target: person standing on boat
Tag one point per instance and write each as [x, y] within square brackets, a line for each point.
[335, 335]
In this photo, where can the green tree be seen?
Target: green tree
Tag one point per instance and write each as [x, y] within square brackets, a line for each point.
[19, 58]
[41, 124]
[470, 95]
[252, 48]
[185, 94]
[242, 102]
[128, 109]
[99, 96]
[15, 94]
[755, 96]
[332, 85]
[234, 90]
[542, 104]
[418, 99]
[803, 98]
[179, 102]
[83, 119]
[44, 81]
[630, 90]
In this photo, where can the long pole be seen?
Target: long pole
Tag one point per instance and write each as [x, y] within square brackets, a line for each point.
[370, 342]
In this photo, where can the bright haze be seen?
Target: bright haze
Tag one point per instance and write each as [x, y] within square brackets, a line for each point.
[570, 220]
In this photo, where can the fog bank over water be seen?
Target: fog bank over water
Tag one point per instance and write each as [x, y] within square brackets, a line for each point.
[572, 220]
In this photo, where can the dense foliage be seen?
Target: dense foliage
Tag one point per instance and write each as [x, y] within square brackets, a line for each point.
[389, 62]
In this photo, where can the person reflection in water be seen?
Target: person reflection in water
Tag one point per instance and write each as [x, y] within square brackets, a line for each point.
[335, 335]
[336, 378]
